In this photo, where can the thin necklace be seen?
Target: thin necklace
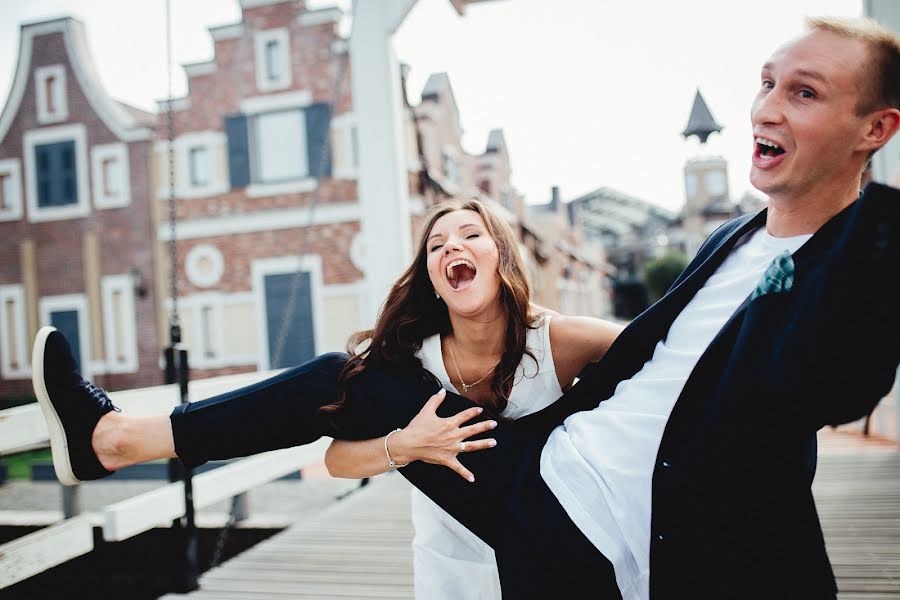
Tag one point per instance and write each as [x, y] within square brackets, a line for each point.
[467, 386]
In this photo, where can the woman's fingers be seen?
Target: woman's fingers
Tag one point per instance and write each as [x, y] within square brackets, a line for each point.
[465, 416]
[435, 401]
[476, 445]
[472, 430]
[461, 470]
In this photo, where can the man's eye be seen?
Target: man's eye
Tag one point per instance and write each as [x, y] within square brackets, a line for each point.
[808, 94]
[768, 84]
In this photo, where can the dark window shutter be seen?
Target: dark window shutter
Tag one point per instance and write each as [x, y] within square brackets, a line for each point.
[57, 178]
[318, 128]
[238, 150]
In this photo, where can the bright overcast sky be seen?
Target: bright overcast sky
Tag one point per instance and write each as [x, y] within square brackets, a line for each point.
[589, 93]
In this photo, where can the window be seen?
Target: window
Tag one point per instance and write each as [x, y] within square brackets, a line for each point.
[10, 190]
[111, 180]
[50, 85]
[119, 324]
[13, 333]
[69, 314]
[451, 166]
[198, 164]
[280, 146]
[56, 176]
[273, 60]
[56, 173]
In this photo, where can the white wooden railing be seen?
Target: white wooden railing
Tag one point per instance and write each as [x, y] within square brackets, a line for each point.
[22, 428]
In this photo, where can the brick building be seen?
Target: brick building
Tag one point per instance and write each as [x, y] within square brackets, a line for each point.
[75, 216]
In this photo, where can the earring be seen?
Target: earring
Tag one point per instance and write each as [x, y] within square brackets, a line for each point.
[436, 295]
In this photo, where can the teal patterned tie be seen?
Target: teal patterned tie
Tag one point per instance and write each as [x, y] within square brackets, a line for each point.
[779, 277]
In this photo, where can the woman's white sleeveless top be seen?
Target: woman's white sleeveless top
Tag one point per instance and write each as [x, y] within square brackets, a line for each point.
[449, 561]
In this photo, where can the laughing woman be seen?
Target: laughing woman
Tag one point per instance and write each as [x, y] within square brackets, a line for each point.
[459, 316]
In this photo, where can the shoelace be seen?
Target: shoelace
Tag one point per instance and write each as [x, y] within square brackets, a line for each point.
[99, 395]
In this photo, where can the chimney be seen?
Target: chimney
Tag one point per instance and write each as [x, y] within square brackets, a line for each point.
[554, 198]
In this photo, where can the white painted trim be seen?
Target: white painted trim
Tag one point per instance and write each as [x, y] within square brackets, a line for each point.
[215, 143]
[125, 286]
[261, 39]
[318, 17]
[269, 220]
[257, 3]
[178, 104]
[47, 135]
[280, 265]
[273, 102]
[118, 152]
[340, 46]
[39, 551]
[12, 168]
[198, 253]
[294, 186]
[78, 302]
[60, 99]
[199, 358]
[16, 293]
[199, 68]
[342, 289]
[226, 32]
[343, 166]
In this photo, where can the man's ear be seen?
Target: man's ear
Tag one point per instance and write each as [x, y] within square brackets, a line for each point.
[882, 125]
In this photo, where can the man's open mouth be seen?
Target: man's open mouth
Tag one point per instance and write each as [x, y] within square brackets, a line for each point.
[768, 148]
[461, 273]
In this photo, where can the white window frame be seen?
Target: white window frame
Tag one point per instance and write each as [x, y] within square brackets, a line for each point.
[12, 209]
[49, 135]
[100, 154]
[78, 302]
[60, 100]
[192, 270]
[16, 293]
[344, 127]
[215, 143]
[193, 167]
[282, 37]
[311, 263]
[199, 356]
[124, 284]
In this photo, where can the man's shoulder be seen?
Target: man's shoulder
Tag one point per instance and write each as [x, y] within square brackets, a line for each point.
[725, 230]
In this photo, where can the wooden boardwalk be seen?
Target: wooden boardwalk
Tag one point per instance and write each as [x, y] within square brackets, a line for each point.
[360, 547]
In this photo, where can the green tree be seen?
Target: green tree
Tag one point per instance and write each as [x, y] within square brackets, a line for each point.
[660, 273]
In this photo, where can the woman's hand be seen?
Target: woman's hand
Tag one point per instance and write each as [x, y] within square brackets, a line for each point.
[439, 441]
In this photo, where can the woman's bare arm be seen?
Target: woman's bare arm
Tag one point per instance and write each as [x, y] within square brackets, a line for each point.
[578, 341]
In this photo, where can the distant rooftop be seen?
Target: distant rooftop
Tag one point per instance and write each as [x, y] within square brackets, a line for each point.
[701, 122]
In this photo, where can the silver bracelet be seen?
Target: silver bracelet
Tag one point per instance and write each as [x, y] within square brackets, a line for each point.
[391, 462]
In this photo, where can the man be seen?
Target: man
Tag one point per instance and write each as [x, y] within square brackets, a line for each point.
[686, 455]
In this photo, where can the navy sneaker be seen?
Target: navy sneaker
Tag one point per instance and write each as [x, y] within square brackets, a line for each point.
[71, 405]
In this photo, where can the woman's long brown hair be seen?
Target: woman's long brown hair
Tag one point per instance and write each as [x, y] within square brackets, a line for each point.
[412, 313]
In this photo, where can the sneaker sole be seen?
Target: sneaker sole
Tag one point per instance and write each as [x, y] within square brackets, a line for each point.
[59, 444]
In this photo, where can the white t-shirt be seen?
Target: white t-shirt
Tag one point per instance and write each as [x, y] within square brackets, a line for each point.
[600, 463]
[449, 561]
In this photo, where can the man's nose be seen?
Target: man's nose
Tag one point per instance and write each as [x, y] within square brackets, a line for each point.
[768, 108]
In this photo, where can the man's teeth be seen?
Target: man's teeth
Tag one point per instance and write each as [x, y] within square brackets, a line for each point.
[456, 263]
[768, 143]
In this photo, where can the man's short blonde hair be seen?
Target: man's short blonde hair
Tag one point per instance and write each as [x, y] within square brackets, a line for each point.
[880, 82]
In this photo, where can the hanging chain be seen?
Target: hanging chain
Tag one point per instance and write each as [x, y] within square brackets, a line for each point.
[174, 324]
[275, 359]
[223, 534]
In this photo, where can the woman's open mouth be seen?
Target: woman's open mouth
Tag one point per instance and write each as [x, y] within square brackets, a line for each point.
[461, 273]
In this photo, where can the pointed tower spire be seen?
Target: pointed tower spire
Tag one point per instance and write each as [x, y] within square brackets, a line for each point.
[701, 122]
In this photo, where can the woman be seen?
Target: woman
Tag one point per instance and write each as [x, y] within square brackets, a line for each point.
[477, 333]
[465, 296]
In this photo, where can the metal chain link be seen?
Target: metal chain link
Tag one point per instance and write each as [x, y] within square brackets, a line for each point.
[174, 325]
[223, 534]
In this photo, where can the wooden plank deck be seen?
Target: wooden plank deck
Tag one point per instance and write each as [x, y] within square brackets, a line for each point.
[360, 547]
